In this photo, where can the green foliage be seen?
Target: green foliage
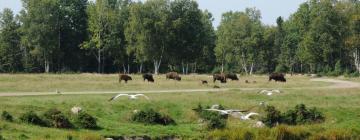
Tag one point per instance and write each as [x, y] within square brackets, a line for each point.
[272, 116]
[84, 120]
[214, 120]
[299, 116]
[281, 69]
[150, 116]
[6, 116]
[55, 118]
[32, 118]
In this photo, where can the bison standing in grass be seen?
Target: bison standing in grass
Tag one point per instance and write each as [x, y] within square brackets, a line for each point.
[173, 75]
[220, 77]
[124, 77]
[232, 77]
[149, 77]
[278, 77]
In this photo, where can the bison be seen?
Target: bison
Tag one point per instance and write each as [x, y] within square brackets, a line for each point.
[232, 77]
[204, 82]
[149, 77]
[173, 75]
[220, 77]
[124, 77]
[278, 77]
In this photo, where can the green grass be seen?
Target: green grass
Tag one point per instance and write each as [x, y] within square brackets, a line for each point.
[340, 106]
[94, 82]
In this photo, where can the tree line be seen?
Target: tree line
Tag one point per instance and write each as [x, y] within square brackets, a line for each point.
[106, 36]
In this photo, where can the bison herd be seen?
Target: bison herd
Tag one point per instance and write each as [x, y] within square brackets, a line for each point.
[222, 78]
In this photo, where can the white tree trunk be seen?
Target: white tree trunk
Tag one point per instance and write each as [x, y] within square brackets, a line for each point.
[357, 59]
[47, 66]
[124, 69]
[141, 67]
[187, 68]
[251, 68]
[157, 64]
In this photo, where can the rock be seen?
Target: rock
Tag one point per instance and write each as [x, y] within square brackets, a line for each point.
[76, 110]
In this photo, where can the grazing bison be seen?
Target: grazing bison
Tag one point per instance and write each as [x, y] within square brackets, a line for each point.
[232, 77]
[277, 77]
[124, 77]
[149, 77]
[204, 82]
[173, 75]
[220, 77]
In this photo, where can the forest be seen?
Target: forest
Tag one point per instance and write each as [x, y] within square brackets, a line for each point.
[157, 36]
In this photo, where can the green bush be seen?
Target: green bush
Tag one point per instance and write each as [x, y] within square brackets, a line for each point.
[54, 118]
[281, 68]
[302, 115]
[272, 116]
[150, 116]
[32, 118]
[86, 121]
[6, 116]
[214, 120]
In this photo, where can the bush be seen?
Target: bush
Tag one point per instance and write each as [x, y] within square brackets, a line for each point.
[54, 118]
[272, 116]
[214, 120]
[300, 115]
[87, 121]
[6, 116]
[150, 116]
[281, 68]
[32, 118]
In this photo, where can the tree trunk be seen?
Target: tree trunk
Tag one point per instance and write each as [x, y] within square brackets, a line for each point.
[99, 61]
[187, 68]
[357, 59]
[141, 67]
[124, 69]
[157, 64]
[251, 68]
[222, 67]
[47, 66]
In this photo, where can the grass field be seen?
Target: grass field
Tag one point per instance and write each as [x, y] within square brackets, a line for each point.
[340, 106]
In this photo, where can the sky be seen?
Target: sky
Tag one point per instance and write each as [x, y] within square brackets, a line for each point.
[270, 9]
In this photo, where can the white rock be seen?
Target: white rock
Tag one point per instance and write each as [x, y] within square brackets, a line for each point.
[259, 124]
[76, 110]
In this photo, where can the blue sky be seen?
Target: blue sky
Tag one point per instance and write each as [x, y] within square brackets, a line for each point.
[270, 9]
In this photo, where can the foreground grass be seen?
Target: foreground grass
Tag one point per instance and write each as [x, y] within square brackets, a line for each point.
[341, 107]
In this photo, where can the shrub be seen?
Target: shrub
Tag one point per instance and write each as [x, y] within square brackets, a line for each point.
[87, 121]
[150, 116]
[6, 116]
[54, 118]
[32, 118]
[272, 116]
[302, 115]
[281, 68]
[214, 120]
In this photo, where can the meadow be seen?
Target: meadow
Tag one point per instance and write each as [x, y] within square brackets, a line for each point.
[341, 107]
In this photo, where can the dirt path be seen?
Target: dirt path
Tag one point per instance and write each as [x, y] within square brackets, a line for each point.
[336, 84]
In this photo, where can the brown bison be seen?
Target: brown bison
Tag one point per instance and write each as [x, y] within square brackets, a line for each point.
[173, 75]
[232, 77]
[204, 82]
[124, 77]
[149, 77]
[220, 77]
[278, 77]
